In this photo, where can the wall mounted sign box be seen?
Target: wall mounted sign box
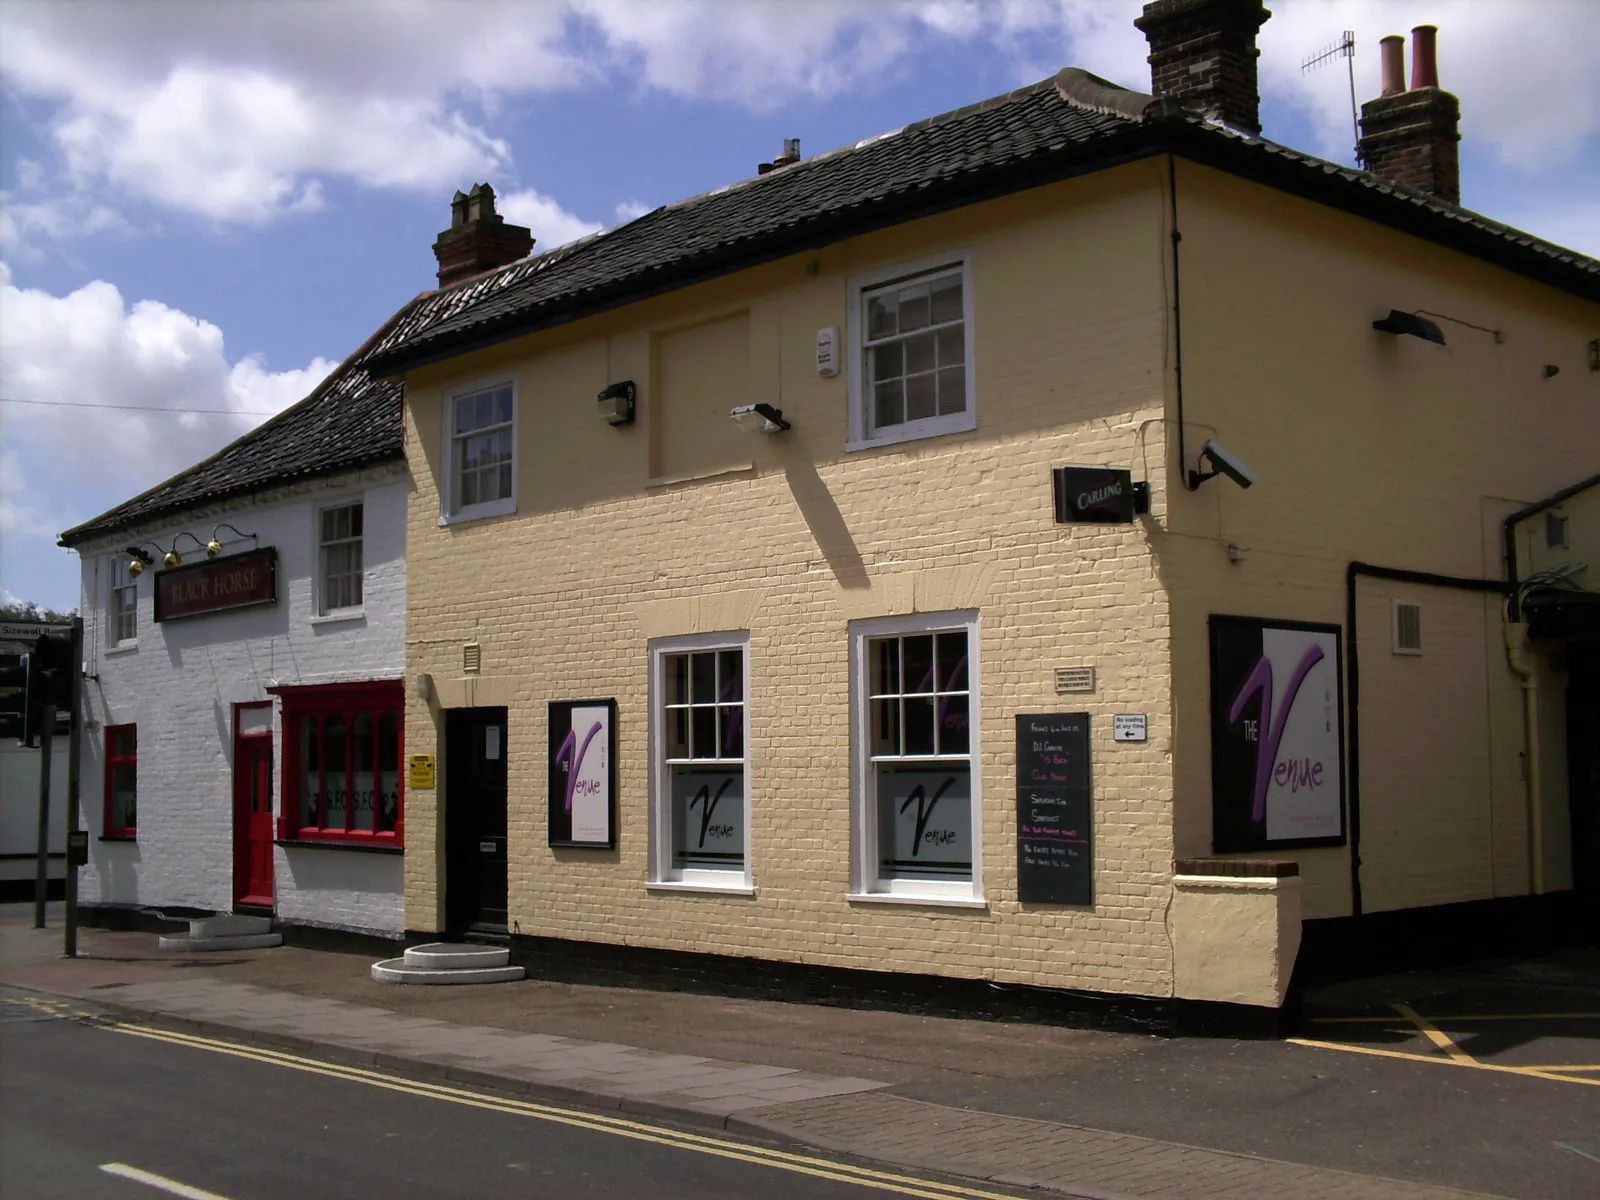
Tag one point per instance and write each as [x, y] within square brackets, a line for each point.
[583, 773]
[423, 771]
[218, 585]
[1277, 735]
[1055, 860]
[1098, 496]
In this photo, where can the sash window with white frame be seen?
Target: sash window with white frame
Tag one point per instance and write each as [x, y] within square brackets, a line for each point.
[701, 783]
[911, 375]
[340, 539]
[123, 608]
[482, 452]
[915, 691]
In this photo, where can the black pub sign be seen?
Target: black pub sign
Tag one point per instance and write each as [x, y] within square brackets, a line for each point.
[1096, 495]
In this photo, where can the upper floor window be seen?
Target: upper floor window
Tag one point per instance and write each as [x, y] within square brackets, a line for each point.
[911, 366]
[339, 572]
[482, 471]
[915, 696]
[700, 781]
[122, 781]
[122, 609]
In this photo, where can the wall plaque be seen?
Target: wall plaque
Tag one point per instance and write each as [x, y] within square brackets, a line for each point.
[217, 585]
[1055, 860]
[583, 773]
[1277, 735]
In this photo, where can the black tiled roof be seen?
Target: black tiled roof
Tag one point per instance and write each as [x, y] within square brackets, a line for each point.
[1071, 123]
[351, 420]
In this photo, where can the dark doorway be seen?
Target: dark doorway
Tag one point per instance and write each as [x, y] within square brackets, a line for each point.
[1583, 766]
[475, 821]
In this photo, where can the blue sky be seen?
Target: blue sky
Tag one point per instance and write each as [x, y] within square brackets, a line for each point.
[208, 204]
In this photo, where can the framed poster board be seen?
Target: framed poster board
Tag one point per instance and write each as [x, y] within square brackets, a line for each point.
[1277, 735]
[1055, 859]
[583, 773]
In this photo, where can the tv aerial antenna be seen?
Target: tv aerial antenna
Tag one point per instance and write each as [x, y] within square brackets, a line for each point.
[1344, 48]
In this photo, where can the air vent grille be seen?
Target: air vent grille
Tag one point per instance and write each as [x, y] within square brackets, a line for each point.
[471, 658]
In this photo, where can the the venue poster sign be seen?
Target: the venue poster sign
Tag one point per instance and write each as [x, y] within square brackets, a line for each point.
[583, 773]
[1277, 735]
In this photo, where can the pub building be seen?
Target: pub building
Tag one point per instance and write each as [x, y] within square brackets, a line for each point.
[244, 646]
[848, 580]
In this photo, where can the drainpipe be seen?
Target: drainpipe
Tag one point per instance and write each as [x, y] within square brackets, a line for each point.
[1516, 658]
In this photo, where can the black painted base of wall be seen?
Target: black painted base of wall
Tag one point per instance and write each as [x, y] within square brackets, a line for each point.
[18, 891]
[1415, 938]
[930, 995]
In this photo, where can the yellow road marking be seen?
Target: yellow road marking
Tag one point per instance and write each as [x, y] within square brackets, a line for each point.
[719, 1147]
[1570, 1016]
[1434, 1034]
[1535, 1072]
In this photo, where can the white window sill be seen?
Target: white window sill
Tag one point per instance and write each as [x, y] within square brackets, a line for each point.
[122, 648]
[713, 889]
[495, 508]
[339, 616]
[934, 427]
[922, 901]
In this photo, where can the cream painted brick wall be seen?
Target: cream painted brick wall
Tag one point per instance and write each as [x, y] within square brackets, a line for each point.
[1385, 450]
[563, 596]
[180, 686]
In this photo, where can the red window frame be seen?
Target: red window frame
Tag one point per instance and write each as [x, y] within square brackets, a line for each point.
[347, 702]
[113, 761]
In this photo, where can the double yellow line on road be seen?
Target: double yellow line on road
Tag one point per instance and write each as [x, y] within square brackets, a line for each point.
[801, 1164]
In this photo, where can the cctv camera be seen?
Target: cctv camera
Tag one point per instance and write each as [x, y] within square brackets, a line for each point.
[1222, 463]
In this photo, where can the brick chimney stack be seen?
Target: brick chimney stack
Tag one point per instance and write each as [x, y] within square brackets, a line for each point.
[1204, 52]
[478, 239]
[1411, 137]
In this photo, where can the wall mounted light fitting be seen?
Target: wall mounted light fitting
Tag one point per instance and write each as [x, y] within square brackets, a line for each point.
[141, 557]
[1594, 355]
[616, 403]
[1411, 324]
[214, 546]
[759, 418]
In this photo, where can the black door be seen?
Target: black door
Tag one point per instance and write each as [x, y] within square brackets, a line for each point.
[1583, 767]
[475, 820]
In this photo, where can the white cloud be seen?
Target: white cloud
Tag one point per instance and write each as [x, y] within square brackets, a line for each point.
[90, 346]
[236, 112]
[551, 224]
[631, 210]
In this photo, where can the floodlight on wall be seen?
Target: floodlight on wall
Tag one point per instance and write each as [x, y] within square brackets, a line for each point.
[214, 546]
[616, 403]
[172, 558]
[1398, 323]
[759, 418]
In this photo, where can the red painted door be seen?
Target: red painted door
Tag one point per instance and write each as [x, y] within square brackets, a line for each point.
[252, 820]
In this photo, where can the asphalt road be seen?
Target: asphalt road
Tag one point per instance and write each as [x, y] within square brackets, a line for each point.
[75, 1100]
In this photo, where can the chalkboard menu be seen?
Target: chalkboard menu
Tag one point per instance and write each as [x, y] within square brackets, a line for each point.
[1055, 864]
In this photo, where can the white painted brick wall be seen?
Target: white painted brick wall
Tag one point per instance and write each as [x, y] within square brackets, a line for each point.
[180, 684]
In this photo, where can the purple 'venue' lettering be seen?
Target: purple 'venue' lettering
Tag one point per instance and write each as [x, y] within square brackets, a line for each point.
[1260, 680]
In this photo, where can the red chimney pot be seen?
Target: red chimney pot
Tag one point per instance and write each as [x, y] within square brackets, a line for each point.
[1424, 57]
[1393, 48]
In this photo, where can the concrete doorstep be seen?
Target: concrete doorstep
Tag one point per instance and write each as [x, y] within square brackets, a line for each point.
[842, 1114]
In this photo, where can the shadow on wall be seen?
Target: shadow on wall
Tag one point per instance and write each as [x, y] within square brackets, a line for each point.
[827, 525]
